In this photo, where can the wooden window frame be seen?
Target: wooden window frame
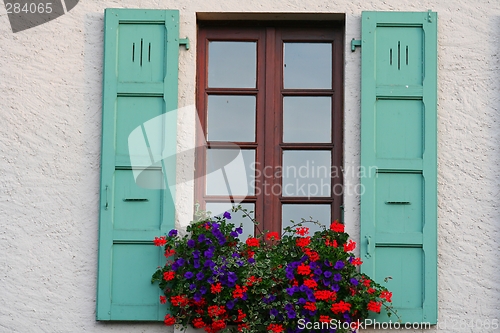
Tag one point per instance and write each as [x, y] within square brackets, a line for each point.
[269, 94]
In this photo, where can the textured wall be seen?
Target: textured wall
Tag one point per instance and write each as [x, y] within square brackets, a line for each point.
[50, 123]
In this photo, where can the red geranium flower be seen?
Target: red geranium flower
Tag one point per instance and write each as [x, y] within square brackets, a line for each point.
[198, 323]
[276, 328]
[252, 242]
[272, 235]
[387, 295]
[167, 276]
[356, 261]
[302, 231]
[349, 247]
[340, 307]
[336, 226]
[301, 242]
[169, 320]
[160, 241]
[216, 288]
[374, 306]
[303, 269]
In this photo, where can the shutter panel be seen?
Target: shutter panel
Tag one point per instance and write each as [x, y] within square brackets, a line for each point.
[138, 159]
[398, 157]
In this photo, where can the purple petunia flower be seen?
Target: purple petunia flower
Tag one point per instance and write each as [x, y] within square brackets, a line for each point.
[172, 233]
[203, 290]
[269, 299]
[302, 301]
[289, 307]
[231, 277]
[230, 305]
[227, 215]
[197, 297]
[354, 281]
[191, 243]
[339, 265]
[239, 230]
[335, 287]
[327, 274]
[209, 264]
[234, 234]
[188, 275]
[192, 286]
[274, 312]
[303, 288]
[200, 276]
[251, 260]
[291, 314]
[201, 238]
[337, 277]
[208, 253]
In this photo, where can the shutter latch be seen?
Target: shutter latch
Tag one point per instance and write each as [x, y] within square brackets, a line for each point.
[354, 43]
[185, 42]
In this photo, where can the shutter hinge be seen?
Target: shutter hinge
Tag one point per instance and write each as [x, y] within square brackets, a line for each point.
[354, 43]
[429, 16]
[185, 42]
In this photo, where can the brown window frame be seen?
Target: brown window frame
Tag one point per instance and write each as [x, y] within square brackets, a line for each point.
[269, 94]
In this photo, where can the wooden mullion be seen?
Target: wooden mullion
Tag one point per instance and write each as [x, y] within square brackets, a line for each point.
[231, 91]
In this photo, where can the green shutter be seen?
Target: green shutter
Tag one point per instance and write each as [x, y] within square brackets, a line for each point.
[398, 157]
[138, 159]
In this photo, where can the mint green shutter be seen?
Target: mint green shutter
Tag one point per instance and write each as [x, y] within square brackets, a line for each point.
[398, 157]
[138, 159]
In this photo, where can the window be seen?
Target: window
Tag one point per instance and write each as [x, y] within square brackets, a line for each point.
[269, 97]
[270, 103]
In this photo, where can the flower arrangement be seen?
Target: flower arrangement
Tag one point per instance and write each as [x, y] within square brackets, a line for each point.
[295, 282]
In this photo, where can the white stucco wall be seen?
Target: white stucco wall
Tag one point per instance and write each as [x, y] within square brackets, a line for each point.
[50, 124]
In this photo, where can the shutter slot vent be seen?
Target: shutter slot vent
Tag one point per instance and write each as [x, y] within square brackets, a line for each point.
[141, 50]
[398, 203]
[135, 200]
[399, 55]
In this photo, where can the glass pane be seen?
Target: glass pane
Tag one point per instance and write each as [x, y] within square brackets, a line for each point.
[232, 64]
[218, 208]
[231, 118]
[230, 172]
[307, 65]
[306, 173]
[307, 119]
[320, 213]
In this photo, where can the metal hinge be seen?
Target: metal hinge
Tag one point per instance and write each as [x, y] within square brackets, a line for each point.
[354, 43]
[185, 42]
